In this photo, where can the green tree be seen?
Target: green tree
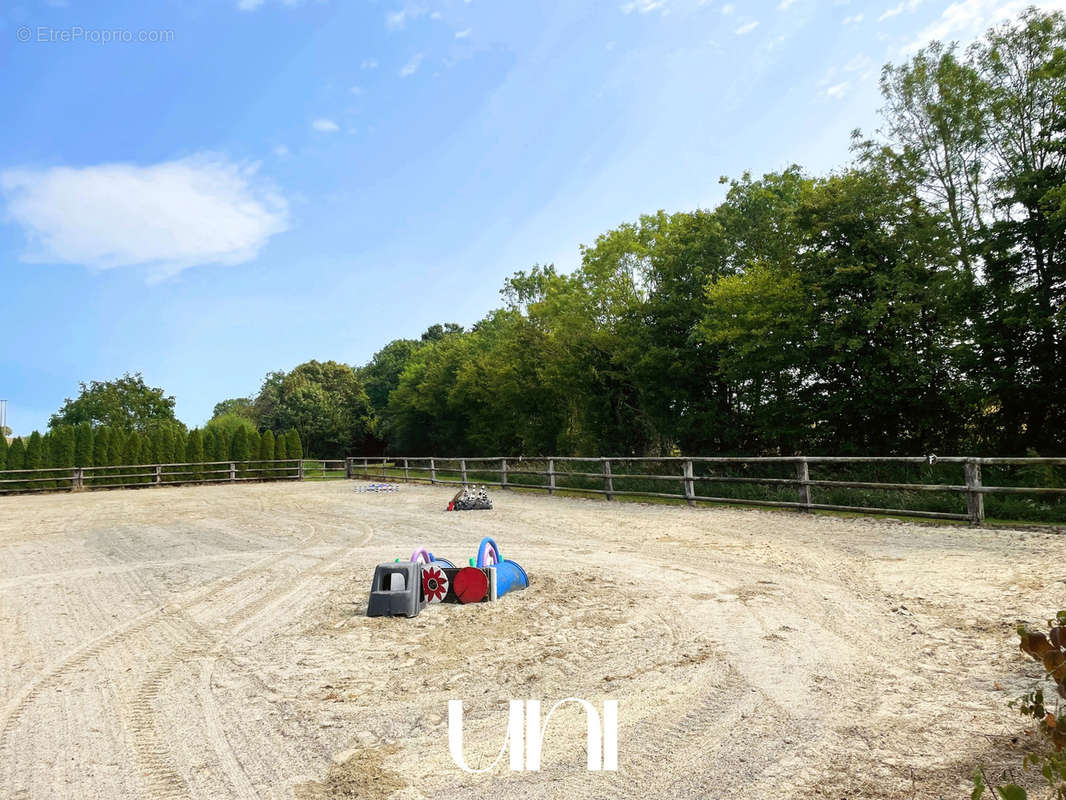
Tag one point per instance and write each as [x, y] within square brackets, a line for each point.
[238, 449]
[293, 447]
[34, 460]
[325, 402]
[280, 455]
[241, 406]
[61, 452]
[266, 453]
[253, 453]
[194, 454]
[3, 455]
[101, 457]
[125, 403]
[16, 460]
[83, 445]
[132, 449]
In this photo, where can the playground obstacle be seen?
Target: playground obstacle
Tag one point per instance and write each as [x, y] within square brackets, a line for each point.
[472, 498]
[377, 487]
[403, 589]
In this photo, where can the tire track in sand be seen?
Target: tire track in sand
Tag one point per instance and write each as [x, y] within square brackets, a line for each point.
[54, 674]
[159, 770]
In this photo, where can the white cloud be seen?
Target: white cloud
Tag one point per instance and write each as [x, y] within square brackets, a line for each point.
[462, 34]
[356, 90]
[411, 67]
[397, 20]
[325, 126]
[747, 27]
[728, 8]
[169, 216]
[784, 4]
[369, 63]
[895, 11]
[642, 6]
[837, 90]
[853, 20]
[966, 19]
[281, 151]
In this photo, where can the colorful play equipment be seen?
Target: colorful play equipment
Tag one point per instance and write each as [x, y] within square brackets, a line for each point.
[404, 588]
[509, 576]
[471, 498]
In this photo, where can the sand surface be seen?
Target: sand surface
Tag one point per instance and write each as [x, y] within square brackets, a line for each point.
[210, 642]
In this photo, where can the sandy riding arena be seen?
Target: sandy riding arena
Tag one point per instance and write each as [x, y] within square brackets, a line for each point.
[211, 643]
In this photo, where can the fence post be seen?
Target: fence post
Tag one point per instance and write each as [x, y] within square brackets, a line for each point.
[348, 469]
[299, 469]
[690, 489]
[406, 476]
[975, 500]
[366, 469]
[803, 475]
[551, 476]
[384, 472]
[608, 481]
[503, 473]
[233, 471]
[76, 481]
[432, 471]
[158, 474]
[462, 469]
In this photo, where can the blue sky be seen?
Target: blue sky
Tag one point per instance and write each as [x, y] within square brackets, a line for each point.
[207, 191]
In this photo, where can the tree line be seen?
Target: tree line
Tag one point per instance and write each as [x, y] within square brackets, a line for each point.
[911, 301]
[155, 441]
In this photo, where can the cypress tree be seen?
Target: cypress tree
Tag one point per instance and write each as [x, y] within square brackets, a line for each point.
[101, 443]
[253, 452]
[3, 455]
[61, 452]
[115, 451]
[292, 444]
[266, 454]
[34, 458]
[178, 443]
[131, 457]
[152, 449]
[280, 455]
[238, 448]
[194, 453]
[47, 479]
[16, 460]
[83, 445]
[166, 445]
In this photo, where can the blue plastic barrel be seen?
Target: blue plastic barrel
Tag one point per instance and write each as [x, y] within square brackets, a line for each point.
[509, 575]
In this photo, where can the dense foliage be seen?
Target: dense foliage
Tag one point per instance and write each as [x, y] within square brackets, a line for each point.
[911, 302]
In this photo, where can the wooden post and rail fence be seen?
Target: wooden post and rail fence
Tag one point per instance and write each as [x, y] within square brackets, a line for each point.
[610, 477]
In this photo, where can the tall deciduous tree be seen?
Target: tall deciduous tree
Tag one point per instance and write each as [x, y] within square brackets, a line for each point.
[126, 403]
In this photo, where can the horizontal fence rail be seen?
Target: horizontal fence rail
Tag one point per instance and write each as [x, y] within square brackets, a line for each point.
[696, 478]
[953, 488]
[132, 476]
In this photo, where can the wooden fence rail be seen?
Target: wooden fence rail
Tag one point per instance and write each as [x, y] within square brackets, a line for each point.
[972, 491]
[612, 474]
[18, 481]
